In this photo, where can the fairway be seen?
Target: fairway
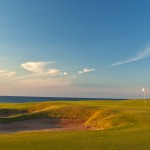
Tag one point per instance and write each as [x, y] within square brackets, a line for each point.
[109, 125]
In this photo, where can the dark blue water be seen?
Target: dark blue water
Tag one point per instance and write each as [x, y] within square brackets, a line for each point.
[22, 99]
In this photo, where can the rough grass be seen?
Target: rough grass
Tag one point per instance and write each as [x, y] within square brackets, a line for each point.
[109, 119]
[127, 123]
[66, 112]
[94, 117]
[94, 113]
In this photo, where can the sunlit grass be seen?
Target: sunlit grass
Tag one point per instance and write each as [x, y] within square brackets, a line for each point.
[126, 125]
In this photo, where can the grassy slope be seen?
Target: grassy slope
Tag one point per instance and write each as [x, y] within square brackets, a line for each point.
[136, 137]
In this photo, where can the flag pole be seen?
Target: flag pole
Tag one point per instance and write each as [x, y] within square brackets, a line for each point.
[143, 90]
[144, 98]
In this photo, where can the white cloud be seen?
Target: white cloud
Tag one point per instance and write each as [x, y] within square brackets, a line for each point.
[6, 73]
[85, 70]
[141, 55]
[65, 73]
[40, 68]
[52, 72]
[36, 67]
[40, 79]
[42, 76]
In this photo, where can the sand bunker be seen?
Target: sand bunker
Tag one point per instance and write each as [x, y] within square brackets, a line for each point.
[45, 124]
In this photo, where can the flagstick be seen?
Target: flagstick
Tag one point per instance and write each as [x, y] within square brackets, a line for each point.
[144, 98]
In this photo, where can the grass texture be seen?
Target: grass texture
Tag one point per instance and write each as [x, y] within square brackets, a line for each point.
[121, 124]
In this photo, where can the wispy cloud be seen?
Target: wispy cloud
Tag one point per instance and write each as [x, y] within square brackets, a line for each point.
[85, 70]
[40, 79]
[6, 73]
[140, 55]
[40, 68]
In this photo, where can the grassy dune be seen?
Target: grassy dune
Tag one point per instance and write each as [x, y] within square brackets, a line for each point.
[122, 125]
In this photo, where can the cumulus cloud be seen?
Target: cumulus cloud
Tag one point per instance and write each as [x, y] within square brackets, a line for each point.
[85, 70]
[6, 73]
[40, 68]
[140, 55]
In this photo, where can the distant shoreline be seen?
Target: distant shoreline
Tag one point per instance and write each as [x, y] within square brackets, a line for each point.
[22, 99]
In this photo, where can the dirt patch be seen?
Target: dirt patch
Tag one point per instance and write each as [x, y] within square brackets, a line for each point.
[45, 124]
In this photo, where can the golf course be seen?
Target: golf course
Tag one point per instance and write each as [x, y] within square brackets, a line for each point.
[75, 125]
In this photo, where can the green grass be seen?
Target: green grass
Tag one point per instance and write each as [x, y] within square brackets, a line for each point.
[125, 124]
[110, 119]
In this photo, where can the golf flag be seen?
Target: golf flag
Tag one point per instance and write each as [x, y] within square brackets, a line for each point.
[143, 89]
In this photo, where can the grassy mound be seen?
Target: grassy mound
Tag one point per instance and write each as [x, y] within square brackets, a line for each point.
[66, 112]
[106, 119]
[72, 112]
[10, 111]
[94, 117]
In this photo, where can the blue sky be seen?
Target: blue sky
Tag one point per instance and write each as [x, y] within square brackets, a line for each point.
[75, 48]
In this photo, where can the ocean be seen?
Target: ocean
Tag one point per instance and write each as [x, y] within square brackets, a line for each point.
[23, 99]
